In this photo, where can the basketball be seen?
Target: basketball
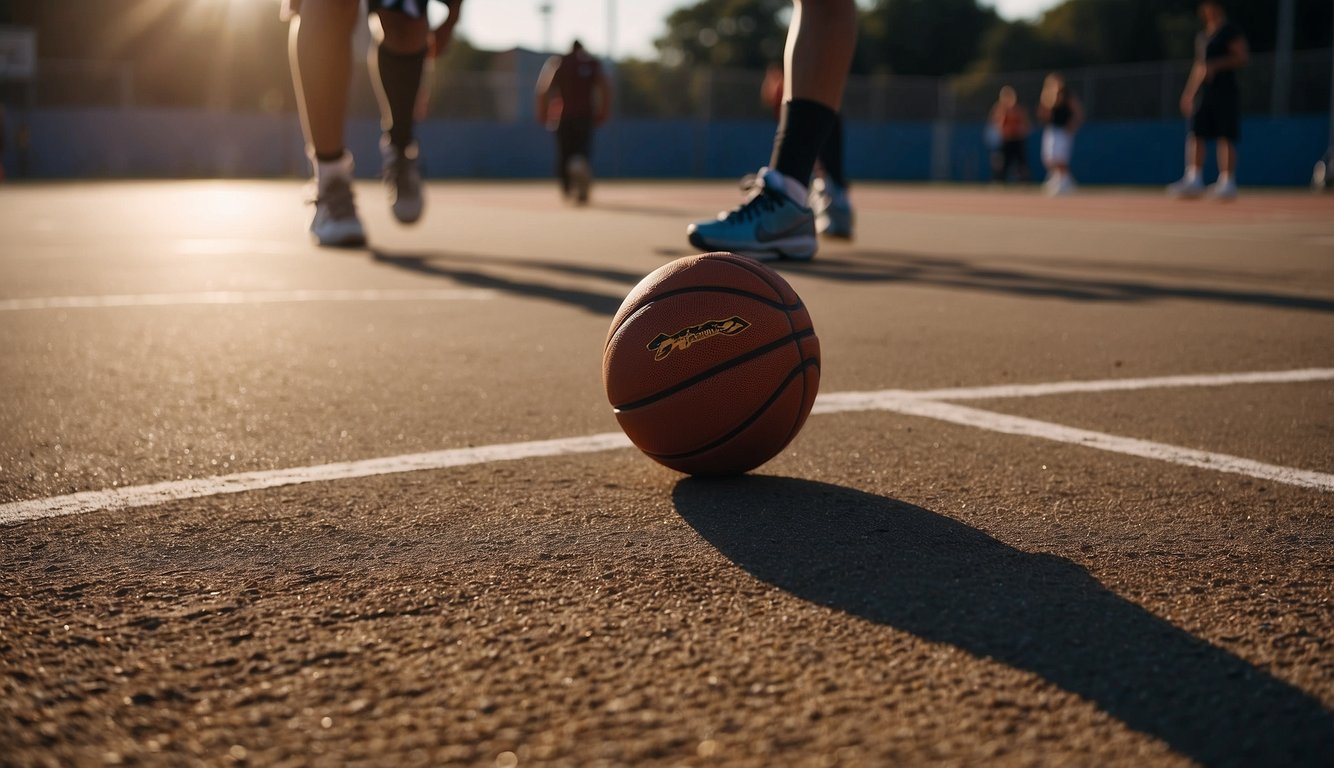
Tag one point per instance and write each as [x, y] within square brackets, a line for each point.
[712, 364]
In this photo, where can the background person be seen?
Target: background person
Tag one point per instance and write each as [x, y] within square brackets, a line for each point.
[1012, 126]
[577, 80]
[320, 52]
[1212, 101]
[1061, 114]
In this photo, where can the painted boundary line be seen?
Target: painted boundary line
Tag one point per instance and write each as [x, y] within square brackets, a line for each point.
[244, 297]
[926, 404]
[157, 493]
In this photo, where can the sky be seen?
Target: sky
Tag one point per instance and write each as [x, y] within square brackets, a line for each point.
[503, 24]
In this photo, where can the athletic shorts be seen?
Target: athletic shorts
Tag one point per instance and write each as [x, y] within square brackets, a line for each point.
[414, 8]
[1218, 116]
[1057, 144]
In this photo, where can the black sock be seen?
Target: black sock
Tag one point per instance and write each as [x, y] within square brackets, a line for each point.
[327, 158]
[803, 126]
[400, 79]
[831, 153]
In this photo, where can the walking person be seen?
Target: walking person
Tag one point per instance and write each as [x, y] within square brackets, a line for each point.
[1061, 114]
[577, 81]
[1212, 101]
[320, 51]
[1012, 126]
[776, 220]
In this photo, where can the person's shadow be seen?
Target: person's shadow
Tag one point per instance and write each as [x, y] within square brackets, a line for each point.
[909, 568]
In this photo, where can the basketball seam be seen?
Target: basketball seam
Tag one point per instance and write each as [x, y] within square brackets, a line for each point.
[701, 289]
[761, 273]
[715, 370]
[799, 370]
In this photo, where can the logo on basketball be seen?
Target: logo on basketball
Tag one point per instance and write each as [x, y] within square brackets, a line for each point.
[664, 344]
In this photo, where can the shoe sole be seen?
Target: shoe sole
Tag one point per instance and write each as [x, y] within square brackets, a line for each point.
[776, 251]
[411, 215]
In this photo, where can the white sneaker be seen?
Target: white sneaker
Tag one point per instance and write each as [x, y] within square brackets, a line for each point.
[581, 178]
[403, 180]
[1222, 190]
[1064, 186]
[833, 210]
[771, 224]
[1186, 189]
[335, 223]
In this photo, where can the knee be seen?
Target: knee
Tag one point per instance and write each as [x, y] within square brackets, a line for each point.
[403, 33]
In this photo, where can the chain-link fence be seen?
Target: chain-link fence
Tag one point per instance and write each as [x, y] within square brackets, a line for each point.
[1149, 91]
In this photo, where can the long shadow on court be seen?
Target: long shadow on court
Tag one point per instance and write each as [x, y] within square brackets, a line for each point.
[462, 269]
[945, 272]
[923, 573]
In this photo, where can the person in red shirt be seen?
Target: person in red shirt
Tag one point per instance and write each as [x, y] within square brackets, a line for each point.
[1010, 122]
[573, 96]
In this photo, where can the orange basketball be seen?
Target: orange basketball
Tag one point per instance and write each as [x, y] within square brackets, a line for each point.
[712, 364]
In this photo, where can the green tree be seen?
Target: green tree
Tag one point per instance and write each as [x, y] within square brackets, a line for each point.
[922, 37]
[726, 33]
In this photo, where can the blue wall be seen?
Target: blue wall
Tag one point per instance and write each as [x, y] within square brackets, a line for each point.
[173, 143]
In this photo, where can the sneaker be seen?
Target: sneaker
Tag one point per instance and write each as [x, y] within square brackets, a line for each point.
[1222, 190]
[770, 225]
[833, 211]
[336, 223]
[402, 180]
[1060, 186]
[581, 178]
[1185, 188]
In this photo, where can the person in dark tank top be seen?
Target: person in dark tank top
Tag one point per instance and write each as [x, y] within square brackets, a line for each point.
[1061, 114]
[1212, 101]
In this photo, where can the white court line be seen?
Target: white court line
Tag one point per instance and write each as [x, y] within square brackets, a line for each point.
[845, 400]
[1017, 425]
[245, 297]
[157, 493]
[923, 403]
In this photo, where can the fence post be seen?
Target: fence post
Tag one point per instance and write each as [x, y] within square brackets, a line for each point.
[942, 132]
[1283, 61]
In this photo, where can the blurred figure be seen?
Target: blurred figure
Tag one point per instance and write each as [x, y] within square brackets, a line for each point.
[320, 50]
[2, 142]
[1061, 114]
[1012, 126]
[574, 95]
[775, 221]
[829, 188]
[1220, 50]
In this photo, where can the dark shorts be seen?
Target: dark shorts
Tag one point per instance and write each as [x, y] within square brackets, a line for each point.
[1218, 116]
[414, 8]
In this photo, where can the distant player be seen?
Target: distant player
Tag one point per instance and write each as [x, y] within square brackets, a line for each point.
[1010, 121]
[320, 49]
[1061, 114]
[578, 82]
[776, 221]
[1213, 103]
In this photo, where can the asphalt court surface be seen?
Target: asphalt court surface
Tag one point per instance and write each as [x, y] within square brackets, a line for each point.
[1136, 573]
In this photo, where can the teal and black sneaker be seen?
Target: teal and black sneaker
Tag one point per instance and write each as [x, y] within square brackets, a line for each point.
[771, 224]
[833, 210]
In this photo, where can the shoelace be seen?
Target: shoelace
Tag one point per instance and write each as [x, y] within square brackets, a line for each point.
[337, 197]
[761, 200]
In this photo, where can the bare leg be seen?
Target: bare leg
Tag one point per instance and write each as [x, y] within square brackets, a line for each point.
[1227, 157]
[320, 51]
[820, 42]
[1194, 152]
